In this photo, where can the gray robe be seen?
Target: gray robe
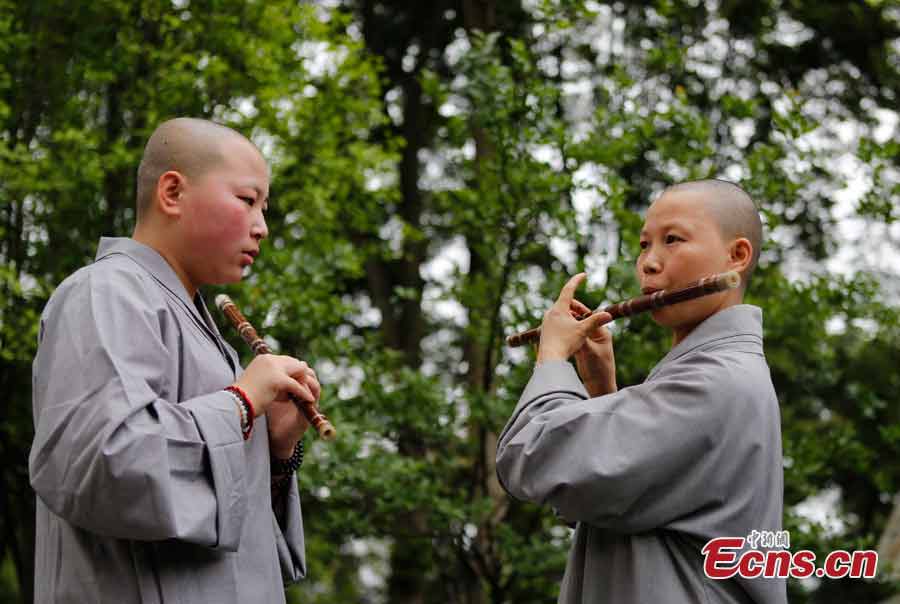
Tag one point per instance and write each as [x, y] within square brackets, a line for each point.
[146, 490]
[652, 472]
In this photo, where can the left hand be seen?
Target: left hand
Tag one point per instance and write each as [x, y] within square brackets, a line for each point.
[287, 424]
[595, 359]
[561, 333]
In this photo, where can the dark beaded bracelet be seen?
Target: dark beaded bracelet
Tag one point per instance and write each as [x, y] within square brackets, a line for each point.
[290, 465]
[281, 486]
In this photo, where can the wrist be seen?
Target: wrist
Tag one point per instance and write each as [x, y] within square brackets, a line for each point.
[249, 394]
[599, 387]
[550, 355]
[283, 449]
[244, 408]
[281, 465]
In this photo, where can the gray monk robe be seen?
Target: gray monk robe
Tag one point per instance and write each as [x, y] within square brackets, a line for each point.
[146, 490]
[652, 472]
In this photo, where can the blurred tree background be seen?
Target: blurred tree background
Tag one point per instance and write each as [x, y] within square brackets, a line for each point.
[439, 170]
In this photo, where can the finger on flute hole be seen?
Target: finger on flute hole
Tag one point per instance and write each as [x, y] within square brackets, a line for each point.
[604, 318]
[580, 307]
[309, 394]
[303, 392]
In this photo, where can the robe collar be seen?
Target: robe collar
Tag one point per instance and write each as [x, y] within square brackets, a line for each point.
[741, 322]
[154, 263]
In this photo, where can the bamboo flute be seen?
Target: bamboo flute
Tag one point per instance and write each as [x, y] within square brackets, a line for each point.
[657, 299]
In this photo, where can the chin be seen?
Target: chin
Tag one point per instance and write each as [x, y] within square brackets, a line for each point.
[665, 318]
[233, 276]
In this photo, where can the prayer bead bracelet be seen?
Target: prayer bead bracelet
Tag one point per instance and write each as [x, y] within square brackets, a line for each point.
[289, 465]
[246, 409]
[285, 468]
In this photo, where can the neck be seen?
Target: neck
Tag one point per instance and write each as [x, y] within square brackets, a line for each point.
[152, 238]
[731, 298]
[681, 332]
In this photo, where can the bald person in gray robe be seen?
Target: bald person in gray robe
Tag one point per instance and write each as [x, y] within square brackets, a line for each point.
[652, 472]
[154, 484]
[147, 491]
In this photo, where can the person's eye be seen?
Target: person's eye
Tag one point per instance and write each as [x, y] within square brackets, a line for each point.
[673, 238]
[247, 200]
[644, 245]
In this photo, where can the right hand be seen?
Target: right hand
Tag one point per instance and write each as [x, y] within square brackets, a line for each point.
[595, 359]
[271, 377]
[561, 335]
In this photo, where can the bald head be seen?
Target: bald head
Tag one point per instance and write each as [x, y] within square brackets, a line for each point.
[187, 145]
[732, 209]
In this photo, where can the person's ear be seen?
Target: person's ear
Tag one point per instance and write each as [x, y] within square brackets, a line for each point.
[169, 190]
[740, 254]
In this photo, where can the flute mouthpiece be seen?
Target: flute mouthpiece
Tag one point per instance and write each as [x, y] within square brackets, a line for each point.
[222, 300]
[732, 279]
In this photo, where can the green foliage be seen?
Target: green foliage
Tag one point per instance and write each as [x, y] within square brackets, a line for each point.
[433, 187]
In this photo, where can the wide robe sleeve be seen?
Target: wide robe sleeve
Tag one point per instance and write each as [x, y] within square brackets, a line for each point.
[289, 538]
[630, 461]
[110, 454]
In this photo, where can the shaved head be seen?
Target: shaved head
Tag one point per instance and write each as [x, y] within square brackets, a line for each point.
[187, 145]
[732, 209]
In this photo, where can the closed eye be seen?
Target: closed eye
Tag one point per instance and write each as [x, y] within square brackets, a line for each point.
[247, 200]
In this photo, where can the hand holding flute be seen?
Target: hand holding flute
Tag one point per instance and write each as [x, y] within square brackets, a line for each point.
[272, 376]
[272, 382]
[595, 360]
[570, 328]
[561, 334]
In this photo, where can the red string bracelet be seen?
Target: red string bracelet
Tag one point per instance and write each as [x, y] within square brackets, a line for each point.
[237, 390]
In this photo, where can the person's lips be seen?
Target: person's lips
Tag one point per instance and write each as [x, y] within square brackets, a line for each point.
[250, 255]
[649, 290]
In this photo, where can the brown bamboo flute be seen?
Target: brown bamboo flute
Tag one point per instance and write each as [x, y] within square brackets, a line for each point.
[658, 299]
[258, 345]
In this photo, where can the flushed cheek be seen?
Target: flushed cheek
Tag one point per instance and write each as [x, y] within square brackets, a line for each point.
[226, 228]
[710, 260]
[235, 224]
[687, 268]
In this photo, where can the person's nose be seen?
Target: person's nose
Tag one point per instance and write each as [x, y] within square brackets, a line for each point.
[650, 264]
[259, 230]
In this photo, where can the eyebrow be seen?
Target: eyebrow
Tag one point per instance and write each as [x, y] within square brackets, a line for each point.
[667, 226]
